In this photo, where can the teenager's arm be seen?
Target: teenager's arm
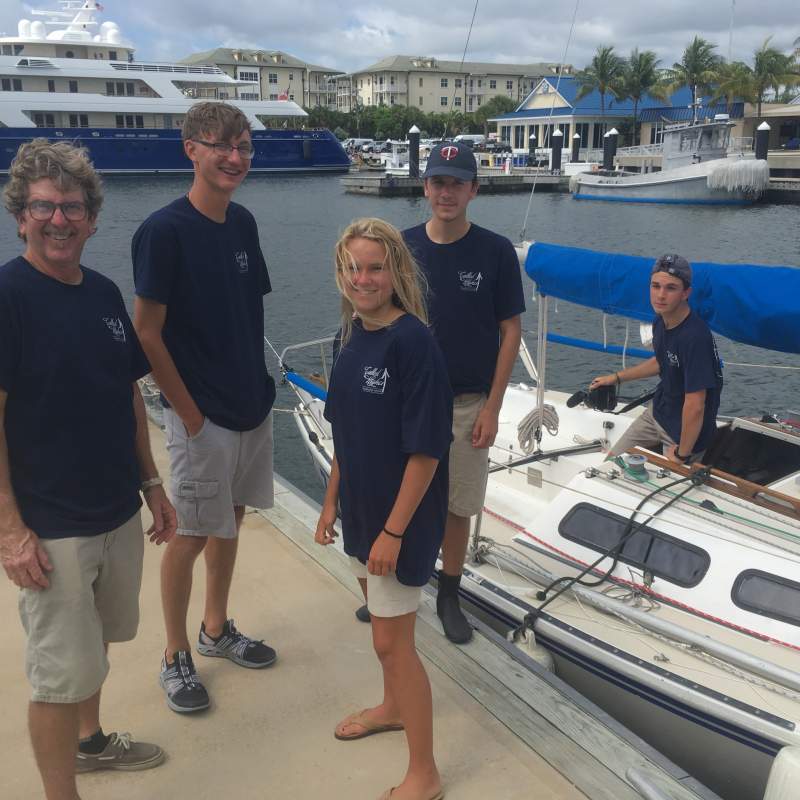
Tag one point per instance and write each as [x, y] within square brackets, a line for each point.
[694, 405]
[417, 477]
[485, 429]
[21, 553]
[647, 369]
[148, 320]
[165, 521]
[325, 533]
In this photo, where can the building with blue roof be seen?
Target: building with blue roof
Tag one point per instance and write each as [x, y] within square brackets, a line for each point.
[557, 98]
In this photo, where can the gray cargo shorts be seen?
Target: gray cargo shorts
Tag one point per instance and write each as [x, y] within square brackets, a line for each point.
[214, 471]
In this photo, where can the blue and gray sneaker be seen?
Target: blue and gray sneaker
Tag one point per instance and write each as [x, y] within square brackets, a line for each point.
[236, 646]
[179, 680]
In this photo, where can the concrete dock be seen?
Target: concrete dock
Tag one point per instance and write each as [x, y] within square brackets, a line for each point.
[382, 185]
[270, 733]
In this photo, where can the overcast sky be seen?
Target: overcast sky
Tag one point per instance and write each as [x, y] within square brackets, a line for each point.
[323, 32]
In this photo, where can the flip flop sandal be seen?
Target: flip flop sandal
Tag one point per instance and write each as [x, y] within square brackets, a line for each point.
[370, 728]
[387, 795]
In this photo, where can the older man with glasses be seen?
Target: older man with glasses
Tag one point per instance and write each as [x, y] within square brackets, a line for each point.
[74, 457]
[200, 281]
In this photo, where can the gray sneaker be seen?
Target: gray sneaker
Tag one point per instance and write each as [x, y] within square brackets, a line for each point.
[121, 752]
[185, 693]
[233, 644]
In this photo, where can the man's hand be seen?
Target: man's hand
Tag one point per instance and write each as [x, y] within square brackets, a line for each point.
[325, 533]
[383, 555]
[24, 559]
[194, 425]
[484, 431]
[672, 455]
[165, 520]
[603, 380]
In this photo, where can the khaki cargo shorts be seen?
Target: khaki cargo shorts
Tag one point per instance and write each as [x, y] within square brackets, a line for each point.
[386, 596]
[644, 431]
[93, 598]
[214, 471]
[469, 466]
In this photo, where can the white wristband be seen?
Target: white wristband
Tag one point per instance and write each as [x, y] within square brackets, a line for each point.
[150, 483]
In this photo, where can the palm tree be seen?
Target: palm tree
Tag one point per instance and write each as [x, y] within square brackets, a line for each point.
[641, 76]
[697, 69]
[771, 70]
[604, 74]
[735, 79]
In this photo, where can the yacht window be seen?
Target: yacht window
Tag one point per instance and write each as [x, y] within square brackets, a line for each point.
[18, 48]
[78, 121]
[112, 55]
[5, 84]
[73, 87]
[130, 89]
[51, 86]
[139, 121]
[7, 50]
[17, 84]
[768, 595]
[121, 88]
[665, 556]
[120, 121]
[110, 88]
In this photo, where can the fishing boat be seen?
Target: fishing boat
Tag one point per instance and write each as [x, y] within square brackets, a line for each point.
[669, 595]
[696, 168]
[67, 76]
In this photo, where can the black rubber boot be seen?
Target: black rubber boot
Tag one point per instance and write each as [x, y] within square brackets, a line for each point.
[362, 614]
[456, 627]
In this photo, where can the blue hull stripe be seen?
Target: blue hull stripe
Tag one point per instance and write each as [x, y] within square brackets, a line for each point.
[735, 733]
[153, 150]
[664, 200]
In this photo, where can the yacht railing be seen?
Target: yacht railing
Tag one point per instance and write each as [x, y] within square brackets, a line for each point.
[740, 144]
[140, 66]
[641, 150]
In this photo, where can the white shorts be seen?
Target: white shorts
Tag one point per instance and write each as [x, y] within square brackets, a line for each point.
[214, 471]
[386, 596]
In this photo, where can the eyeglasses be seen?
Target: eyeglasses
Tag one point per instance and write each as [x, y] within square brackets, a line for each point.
[43, 210]
[246, 150]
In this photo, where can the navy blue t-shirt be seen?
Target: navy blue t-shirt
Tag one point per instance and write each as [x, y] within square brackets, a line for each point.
[68, 359]
[474, 284]
[388, 399]
[212, 278]
[688, 362]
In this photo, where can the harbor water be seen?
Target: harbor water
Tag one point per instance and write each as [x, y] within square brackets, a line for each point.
[299, 218]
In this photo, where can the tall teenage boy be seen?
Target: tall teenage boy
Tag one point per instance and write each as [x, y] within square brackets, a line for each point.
[199, 312]
[474, 303]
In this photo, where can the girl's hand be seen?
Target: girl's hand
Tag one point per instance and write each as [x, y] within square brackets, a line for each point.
[325, 533]
[383, 555]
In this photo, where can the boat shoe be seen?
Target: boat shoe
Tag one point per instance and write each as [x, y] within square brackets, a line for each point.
[122, 752]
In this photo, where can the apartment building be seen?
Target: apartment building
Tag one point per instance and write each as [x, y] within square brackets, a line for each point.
[431, 84]
[273, 75]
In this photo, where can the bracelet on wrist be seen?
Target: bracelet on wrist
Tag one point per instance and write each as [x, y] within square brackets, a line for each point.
[681, 457]
[393, 535]
[150, 483]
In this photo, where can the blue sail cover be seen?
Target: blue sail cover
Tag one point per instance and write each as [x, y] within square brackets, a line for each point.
[756, 305]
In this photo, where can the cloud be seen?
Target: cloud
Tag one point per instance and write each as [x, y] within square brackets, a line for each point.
[352, 38]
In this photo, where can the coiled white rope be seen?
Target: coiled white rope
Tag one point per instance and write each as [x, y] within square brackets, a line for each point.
[526, 430]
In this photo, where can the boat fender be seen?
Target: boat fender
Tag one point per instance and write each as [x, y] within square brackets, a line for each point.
[784, 776]
[540, 654]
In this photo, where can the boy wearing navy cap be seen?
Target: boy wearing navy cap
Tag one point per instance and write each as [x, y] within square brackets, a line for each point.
[684, 411]
[475, 301]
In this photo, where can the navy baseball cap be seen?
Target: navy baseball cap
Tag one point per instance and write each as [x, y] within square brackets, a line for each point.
[676, 265]
[453, 159]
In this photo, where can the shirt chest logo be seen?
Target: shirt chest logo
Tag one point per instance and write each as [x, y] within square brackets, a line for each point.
[470, 281]
[241, 260]
[375, 380]
[672, 358]
[114, 324]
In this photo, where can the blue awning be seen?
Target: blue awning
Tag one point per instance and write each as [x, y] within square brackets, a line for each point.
[756, 305]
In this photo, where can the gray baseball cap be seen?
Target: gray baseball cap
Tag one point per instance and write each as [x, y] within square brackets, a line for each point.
[676, 265]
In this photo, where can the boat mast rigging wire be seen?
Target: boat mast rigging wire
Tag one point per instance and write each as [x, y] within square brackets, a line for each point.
[550, 116]
[461, 66]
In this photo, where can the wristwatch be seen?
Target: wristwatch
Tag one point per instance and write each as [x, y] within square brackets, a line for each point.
[684, 459]
[150, 483]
